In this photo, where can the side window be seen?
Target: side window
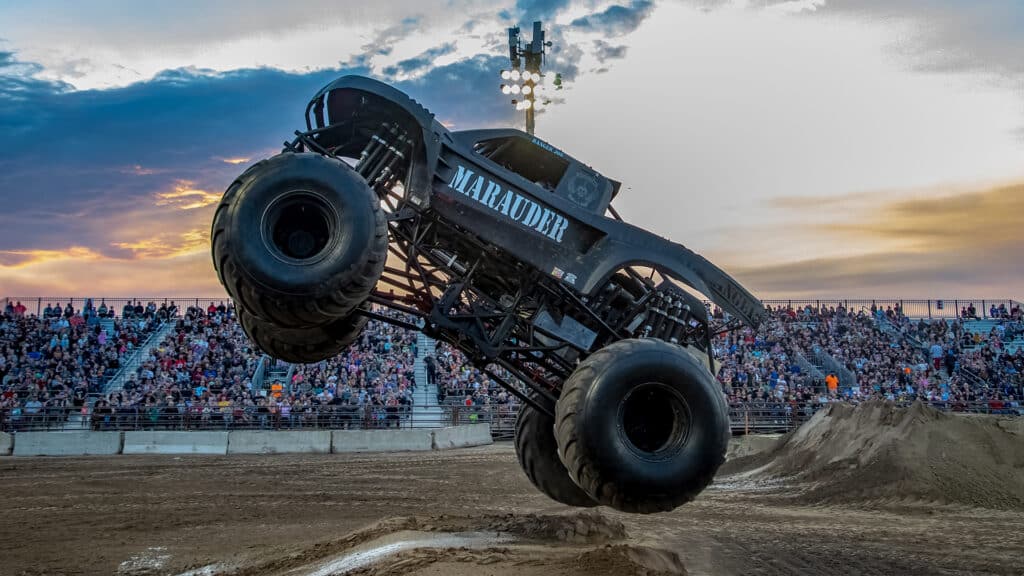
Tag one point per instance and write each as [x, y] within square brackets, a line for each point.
[526, 159]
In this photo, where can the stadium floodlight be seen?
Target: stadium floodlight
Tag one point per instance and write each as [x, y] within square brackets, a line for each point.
[524, 73]
[506, 89]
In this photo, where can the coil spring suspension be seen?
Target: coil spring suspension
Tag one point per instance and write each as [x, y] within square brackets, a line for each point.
[381, 162]
[670, 318]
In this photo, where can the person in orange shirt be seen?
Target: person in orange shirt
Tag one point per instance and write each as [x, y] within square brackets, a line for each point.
[276, 388]
[832, 383]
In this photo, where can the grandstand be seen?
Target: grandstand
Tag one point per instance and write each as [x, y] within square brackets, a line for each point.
[118, 364]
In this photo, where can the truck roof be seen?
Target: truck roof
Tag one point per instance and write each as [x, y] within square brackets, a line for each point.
[542, 164]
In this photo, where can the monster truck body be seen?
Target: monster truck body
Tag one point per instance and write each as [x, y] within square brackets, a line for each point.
[499, 244]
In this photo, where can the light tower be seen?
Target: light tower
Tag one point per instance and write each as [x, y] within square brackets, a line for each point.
[523, 80]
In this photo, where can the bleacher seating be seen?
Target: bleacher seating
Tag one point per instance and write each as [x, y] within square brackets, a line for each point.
[802, 358]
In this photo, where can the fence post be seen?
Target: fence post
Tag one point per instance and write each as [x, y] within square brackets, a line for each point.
[984, 311]
[929, 309]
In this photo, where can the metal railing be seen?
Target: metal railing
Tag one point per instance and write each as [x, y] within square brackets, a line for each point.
[250, 418]
[913, 308]
[745, 418]
[937, 308]
[779, 417]
[833, 365]
[130, 364]
[37, 304]
[260, 373]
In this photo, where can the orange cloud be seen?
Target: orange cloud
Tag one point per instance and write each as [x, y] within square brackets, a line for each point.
[18, 259]
[167, 245]
[235, 161]
[176, 276]
[185, 197]
[931, 244]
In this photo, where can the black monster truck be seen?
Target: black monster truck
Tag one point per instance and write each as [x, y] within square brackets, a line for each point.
[499, 244]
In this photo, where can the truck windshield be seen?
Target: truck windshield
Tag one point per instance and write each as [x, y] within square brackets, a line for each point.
[524, 158]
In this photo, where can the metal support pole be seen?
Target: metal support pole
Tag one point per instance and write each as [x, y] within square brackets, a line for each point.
[529, 120]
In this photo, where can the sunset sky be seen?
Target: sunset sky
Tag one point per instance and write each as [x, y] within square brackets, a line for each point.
[856, 148]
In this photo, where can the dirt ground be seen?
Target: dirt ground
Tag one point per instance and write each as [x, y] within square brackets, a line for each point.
[452, 513]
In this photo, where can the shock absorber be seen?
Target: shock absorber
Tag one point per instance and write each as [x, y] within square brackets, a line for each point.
[656, 317]
[371, 154]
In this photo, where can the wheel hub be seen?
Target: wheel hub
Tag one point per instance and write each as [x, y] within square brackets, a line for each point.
[298, 226]
[655, 419]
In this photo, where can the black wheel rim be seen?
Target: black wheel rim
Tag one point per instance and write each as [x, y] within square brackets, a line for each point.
[654, 421]
[298, 227]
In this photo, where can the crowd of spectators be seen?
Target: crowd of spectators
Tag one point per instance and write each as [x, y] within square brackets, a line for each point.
[200, 376]
[879, 354]
[201, 373]
[50, 363]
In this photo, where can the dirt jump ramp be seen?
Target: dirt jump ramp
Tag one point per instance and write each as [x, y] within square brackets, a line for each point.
[878, 452]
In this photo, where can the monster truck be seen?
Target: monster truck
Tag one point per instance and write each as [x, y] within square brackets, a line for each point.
[497, 243]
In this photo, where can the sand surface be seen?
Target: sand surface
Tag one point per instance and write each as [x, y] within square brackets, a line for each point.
[940, 501]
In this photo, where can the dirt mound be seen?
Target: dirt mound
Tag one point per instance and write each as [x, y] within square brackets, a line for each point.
[750, 445]
[409, 544]
[877, 451]
[575, 528]
[620, 560]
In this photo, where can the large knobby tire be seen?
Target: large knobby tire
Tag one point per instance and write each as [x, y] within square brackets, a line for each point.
[299, 240]
[538, 456]
[303, 345]
[642, 426]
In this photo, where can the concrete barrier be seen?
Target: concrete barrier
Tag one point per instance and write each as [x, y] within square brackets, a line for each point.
[462, 436]
[6, 444]
[380, 440]
[170, 442]
[66, 443]
[265, 442]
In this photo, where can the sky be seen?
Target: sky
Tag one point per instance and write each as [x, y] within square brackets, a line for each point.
[812, 148]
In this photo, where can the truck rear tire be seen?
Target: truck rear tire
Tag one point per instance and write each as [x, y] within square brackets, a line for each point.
[538, 456]
[299, 240]
[642, 426]
[303, 345]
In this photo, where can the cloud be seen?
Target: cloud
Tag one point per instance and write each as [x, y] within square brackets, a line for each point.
[604, 51]
[101, 170]
[530, 10]
[425, 60]
[185, 197]
[980, 35]
[168, 244]
[235, 161]
[185, 275]
[14, 259]
[116, 46]
[616, 20]
[987, 219]
[932, 244]
[384, 40]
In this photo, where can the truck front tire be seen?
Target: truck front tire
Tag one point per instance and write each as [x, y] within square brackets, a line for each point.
[303, 345]
[299, 240]
[642, 426]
